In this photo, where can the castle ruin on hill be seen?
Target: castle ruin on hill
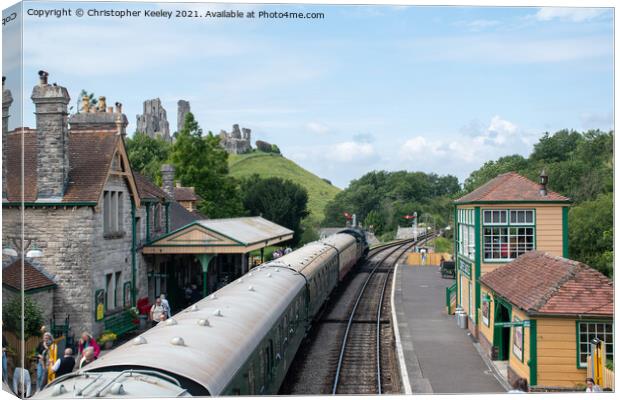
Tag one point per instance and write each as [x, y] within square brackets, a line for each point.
[238, 141]
[153, 120]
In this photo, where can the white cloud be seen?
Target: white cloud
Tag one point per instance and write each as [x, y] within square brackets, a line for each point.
[317, 127]
[574, 14]
[347, 152]
[500, 137]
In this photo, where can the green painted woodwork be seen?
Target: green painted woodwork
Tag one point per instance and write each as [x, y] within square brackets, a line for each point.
[565, 232]
[205, 259]
[533, 354]
[478, 264]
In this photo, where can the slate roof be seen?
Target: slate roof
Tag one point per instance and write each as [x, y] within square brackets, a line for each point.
[247, 230]
[33, 278]
[510, 187]
[185, 194]
[147, 189]
[541, 283]
[90, 155]
[179, 215]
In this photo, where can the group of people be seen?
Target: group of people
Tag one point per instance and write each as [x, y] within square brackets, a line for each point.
[160, 310]
[520, 386]
[50, 366]
[280, 252]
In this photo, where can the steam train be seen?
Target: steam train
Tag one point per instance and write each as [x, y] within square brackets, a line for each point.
[240, 340]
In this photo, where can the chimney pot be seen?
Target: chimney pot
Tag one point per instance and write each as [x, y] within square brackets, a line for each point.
[110, 109]
[101, 106]
[43, 77]
[119, 107]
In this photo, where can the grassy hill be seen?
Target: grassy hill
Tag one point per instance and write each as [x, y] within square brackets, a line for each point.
[273, 165]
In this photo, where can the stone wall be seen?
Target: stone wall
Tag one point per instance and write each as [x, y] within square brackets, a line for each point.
[112, 254]
[77, 254]
[65, 235]
[153, 121]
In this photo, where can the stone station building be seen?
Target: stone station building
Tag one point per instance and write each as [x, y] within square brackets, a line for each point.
[92, 216]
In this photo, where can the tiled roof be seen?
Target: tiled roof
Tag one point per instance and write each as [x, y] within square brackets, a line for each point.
[510, 187]
[90, 155]
[179, 216]
[147, 189]
[33, 278]
[185, 194]
[542, 283]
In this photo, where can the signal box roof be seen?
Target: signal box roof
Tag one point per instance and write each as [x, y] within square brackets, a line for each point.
[510, 187]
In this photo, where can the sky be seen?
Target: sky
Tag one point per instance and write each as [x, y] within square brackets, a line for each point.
[433, 89]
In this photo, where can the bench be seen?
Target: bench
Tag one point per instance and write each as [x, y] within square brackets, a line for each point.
[120, 323]
[447, 269]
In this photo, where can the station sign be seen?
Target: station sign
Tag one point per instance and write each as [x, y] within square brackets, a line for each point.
[525, 324]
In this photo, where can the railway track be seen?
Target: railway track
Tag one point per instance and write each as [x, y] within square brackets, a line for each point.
[363, 367]
[356, 311]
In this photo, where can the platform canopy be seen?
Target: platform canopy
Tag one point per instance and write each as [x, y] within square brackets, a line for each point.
[220, 236]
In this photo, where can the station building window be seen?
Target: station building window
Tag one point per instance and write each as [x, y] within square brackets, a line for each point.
[507, 234]
[586, 331]
[467, 235]
[112, 212]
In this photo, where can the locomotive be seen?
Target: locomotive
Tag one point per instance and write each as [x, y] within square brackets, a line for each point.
[240, 340]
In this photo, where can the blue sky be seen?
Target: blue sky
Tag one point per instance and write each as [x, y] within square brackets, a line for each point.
[436, 89]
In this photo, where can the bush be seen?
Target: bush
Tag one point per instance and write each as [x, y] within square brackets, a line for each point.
[275, 149]
[107, 336]
[263, 146]
[12, 317]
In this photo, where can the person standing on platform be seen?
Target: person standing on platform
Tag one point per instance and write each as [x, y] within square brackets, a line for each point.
[157, 310]
[88, 356]
[65, 364]
[42, 352]
[87, 341]
[166, 304]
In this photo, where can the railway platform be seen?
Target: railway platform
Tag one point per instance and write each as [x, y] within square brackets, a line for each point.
[438, 355]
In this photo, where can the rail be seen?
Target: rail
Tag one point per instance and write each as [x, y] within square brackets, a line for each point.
[407, 244]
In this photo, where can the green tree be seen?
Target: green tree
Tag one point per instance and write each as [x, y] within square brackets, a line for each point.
[201, 162]
[12, 317]
[92, 101]
[147, 154]
[590, 227]
[281, 201]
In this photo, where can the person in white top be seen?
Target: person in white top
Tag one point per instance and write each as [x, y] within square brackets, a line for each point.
[166, 305]
[156, 310]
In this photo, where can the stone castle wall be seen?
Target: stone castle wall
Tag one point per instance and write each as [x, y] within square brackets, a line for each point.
[153, 121]
[236, 141]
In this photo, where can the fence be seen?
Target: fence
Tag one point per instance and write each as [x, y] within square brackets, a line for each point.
[433, 259]
[604, 377]
[451, 299]
[15, 344]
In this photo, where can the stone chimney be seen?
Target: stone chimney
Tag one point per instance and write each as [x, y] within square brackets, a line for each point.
[167, 179]
[7, 100]
[100, 117]
[52, 137]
